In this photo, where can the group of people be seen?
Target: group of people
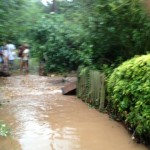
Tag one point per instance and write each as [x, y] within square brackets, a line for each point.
[9, 52]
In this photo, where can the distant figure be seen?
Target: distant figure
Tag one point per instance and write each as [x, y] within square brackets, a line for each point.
[5, 54]
[25, 58]
[20, 56]
[12, 54]
[42, 68]
[20, 51]
[1, 58]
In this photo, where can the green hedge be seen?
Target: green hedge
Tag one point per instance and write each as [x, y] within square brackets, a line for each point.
[129, 95]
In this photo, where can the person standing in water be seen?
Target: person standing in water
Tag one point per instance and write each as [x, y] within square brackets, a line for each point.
[25, 59]
[11, 50]
[5, 54]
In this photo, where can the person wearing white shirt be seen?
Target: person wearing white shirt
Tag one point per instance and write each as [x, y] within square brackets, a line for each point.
[11, 50]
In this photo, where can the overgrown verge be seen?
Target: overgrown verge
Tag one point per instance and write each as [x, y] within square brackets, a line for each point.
[129, 96]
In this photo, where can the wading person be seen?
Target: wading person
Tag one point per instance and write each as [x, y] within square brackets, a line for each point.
[20, 56]
[1, 58]
[25, 59]
[5, 53]
[11, 49]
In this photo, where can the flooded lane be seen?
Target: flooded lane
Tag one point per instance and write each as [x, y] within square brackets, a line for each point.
[41, 118]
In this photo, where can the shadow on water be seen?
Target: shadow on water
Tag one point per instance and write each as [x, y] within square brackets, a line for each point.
[41, 118]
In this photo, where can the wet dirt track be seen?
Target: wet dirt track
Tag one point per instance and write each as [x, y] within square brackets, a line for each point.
[41, 118]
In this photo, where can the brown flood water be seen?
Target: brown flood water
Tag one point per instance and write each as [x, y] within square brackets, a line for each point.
[41, 118]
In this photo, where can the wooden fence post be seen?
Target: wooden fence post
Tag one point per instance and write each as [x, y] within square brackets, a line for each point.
[102, 93]
[91, 87]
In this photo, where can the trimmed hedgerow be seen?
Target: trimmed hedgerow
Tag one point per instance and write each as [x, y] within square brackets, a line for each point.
[129, 95]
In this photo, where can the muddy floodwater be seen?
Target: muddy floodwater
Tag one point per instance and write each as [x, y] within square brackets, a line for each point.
[41, 118]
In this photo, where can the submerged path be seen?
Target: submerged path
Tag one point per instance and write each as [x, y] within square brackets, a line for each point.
[41, 118]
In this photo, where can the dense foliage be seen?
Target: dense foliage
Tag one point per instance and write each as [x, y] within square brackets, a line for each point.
[119, 30]
[62, 44]
[106, 31]
[129, 91]
[93, 32]
[16, 18]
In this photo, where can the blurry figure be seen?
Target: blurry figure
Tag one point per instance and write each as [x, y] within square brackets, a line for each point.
[1, 58]
[12, 54]
[42, 68]
[20, 56]
[5, 53]
[20, 51]
[25, 59]
[42, 65]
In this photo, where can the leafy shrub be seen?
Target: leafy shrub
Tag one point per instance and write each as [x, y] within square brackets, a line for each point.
[129, 93]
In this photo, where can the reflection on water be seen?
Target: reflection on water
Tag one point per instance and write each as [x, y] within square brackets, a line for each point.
[35, 132]
[35, 136]
[42, 118]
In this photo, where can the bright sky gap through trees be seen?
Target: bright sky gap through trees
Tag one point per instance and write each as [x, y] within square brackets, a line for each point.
[46, 2]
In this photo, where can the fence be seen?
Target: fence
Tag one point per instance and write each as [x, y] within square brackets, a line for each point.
[91, 87]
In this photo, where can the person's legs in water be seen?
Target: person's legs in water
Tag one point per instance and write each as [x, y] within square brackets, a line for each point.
[26, 65]
[5, 64]
[21, 65]
[11, 64]
[1, 62]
